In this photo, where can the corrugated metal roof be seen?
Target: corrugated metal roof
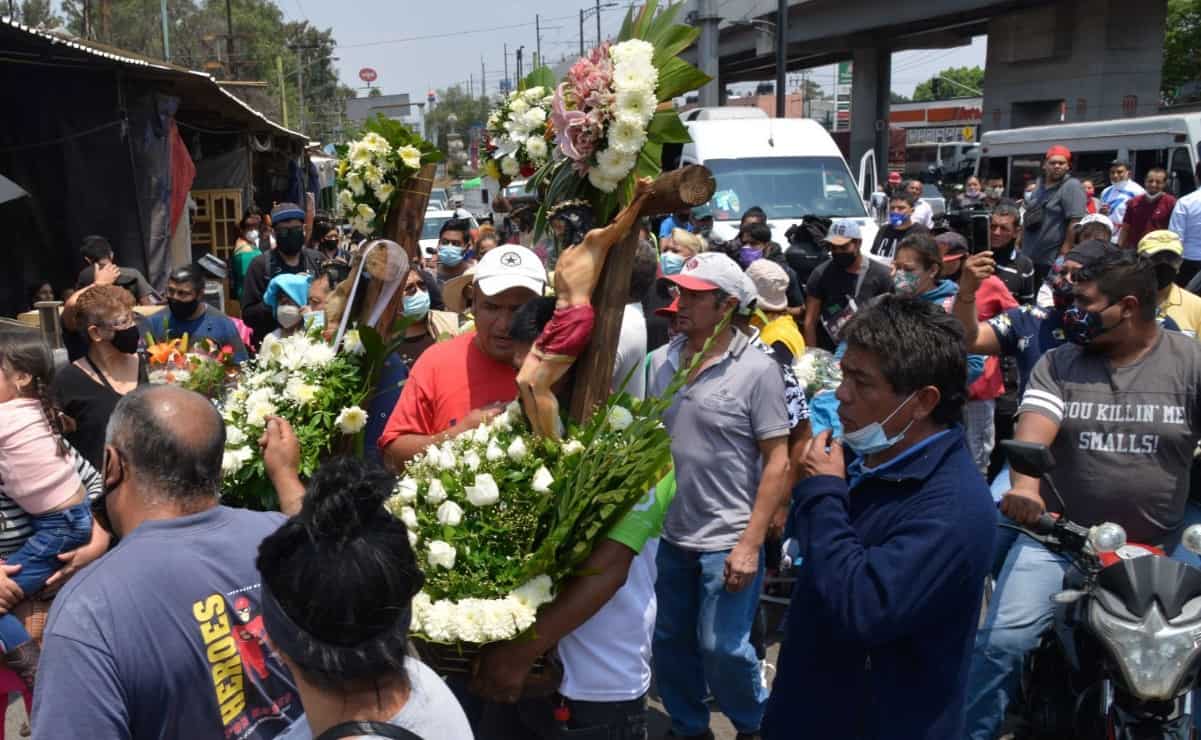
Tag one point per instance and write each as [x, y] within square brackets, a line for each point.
[128, 58]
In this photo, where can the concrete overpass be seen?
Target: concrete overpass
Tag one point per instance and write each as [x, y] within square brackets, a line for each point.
[1048, 60]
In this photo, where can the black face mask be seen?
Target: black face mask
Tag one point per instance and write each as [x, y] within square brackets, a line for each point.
[290, 242]
[843, 259]
[183, 310]
[126, 340]
[1004, 251]
[1165, 275]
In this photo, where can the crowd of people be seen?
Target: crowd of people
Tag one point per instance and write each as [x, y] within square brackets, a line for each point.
[1074, 327]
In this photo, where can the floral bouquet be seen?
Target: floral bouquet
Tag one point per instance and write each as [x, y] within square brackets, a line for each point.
[516, 135]
[605, 115]
[817, 370]
[501, 517]
[203, 367]
[372, 169]
[302, 379]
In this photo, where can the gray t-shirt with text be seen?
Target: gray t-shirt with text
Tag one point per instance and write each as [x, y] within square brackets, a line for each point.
[1126, 434]
[716, 424]
[1043, 237]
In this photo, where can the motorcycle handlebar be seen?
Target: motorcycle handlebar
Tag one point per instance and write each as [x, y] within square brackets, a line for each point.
[1045, 525]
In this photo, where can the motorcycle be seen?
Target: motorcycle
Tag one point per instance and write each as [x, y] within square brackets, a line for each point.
[1121, 660]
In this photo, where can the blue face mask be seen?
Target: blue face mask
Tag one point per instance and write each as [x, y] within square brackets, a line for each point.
[872, 438]
[450, 255]
[895, 219]
[416, 306]
[672, 263]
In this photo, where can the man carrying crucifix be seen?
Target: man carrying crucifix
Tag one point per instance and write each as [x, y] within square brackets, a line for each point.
[582, 257]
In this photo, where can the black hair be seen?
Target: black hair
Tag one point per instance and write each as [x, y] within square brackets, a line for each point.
[321, 227]
[95, 248]
[335, 272]
[645, 272]
[1006, 209]
[1120, 273]
[251, 211]
[904, 195]
[1119, 163]
[926, 247]
[35, 288]
[758, 232]
[755, 211]
[185, 467]
[189, 274]
[529, 320]
[456, 224]
[26, 352]
[350, 620]
[1158, 169]
[577, 217]
[916, 344]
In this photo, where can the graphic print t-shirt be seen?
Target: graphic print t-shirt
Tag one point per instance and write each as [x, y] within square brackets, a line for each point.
[889, 237]
[1126, 435]
[163, 638]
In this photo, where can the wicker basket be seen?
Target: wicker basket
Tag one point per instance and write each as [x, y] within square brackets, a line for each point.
[446, 660]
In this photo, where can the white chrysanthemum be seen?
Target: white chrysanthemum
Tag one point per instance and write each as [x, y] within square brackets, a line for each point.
[510, 166]
[441, 555]
[534, 95]
[406, 490]
[518, 107]
[627, 135]
[353, 343]
[256, 415]
[272, 349]
[633, 51]
[542, 480]
[318, 354]
[450, 514]
[300, 392]
[573, 446]
[234, 437]
[534, 118]
[494, 452]
[439, 619]
[410, 156]
[485, 491]
[534, 593]
[436, 493]
[472, 460]
[639, 104]
[408, 515]
[351, 420]
[613, 165]
[600, 182]
[536, 147]
[517, 450]
[230, 463]
[620, 418]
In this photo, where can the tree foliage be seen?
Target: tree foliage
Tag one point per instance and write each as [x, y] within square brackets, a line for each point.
[469, 111]
[36, 14]
[1181, 63]
[199, 39]
[963, 80]
[896, 97]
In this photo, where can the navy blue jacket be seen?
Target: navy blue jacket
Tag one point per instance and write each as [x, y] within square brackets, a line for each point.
[885, 605]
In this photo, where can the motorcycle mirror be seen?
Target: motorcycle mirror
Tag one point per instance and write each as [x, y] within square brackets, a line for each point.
[1107, 537]
[1070, 596]
[1191, 539]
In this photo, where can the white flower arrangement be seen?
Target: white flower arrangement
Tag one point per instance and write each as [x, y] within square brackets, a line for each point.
[372, 169]
[516, 134]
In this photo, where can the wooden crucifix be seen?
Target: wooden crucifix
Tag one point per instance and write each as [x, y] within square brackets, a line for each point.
[592, 289]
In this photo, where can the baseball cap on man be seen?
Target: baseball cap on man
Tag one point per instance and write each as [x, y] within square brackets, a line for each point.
[715, 271]
[510, 266]
[1161, 240]
[1095, 218]
[952, 245]
[1089, 252]
[843, 231]
[1059, 150]
[771, 284]
[286, 212]
[894, 178]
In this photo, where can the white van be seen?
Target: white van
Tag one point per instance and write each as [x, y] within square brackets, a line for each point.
[1169, 141]
[789, 167]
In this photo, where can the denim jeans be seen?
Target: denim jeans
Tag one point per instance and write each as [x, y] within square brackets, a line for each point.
[534, 719]
[1019, 613]
[702, 638]
[53, 534]
[981, 431]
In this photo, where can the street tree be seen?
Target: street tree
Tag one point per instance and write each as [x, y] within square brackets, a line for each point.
[1181, 64]
[952, 82]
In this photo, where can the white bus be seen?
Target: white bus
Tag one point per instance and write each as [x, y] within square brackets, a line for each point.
[1168, 141]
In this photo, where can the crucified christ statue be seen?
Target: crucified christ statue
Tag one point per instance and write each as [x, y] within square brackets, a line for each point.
[570, 329]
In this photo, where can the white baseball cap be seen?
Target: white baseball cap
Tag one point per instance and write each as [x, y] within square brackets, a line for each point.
[715, 271]
[510, 266]
[1095, 218]
[843, 231]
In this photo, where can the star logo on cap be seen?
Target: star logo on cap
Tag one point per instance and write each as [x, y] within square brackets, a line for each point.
[692, 264]
[510, 259]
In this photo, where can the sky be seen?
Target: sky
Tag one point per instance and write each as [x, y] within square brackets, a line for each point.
[415, 46]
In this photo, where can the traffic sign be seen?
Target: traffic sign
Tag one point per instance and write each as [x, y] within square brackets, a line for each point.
[367, 74]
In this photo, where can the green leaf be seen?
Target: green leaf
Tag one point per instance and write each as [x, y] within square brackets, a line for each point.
[649, 160]
[672, 41]
[677, 77]
[667, 128]
[542, 76]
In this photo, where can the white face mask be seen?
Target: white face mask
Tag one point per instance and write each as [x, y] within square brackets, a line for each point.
[252, 236]
[288, 316]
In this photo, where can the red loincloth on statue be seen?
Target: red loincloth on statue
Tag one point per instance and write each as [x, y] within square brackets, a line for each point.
[567, 333]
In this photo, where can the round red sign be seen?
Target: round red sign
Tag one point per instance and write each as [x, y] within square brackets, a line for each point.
[367, 74]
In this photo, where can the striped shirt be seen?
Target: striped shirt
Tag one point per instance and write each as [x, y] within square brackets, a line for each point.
[14, 522]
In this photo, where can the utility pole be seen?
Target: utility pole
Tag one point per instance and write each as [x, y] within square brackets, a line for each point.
[708, 20]
[519, 70]
[781, 57]
[166, 32]
[300, 87]
[538, 36]
[483, 79]
[283, 89]
[507, 69]
[581, 32]
[599, 40]
[229, 39]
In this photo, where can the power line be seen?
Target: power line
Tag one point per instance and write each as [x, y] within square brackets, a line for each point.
[449, 34]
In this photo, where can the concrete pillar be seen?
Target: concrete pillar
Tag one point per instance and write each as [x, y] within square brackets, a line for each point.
[871, 80]
[707, 19]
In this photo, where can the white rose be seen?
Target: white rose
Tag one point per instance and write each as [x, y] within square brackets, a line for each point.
[534, 593]
[450, 514]
[494, 452]
[572, 447]
[436, 493]
[479, 435]
[353, 343]
[472, 460]
[542, 480]
[511, 166]
[534, 94]
[518, 107]
[409, 516]
[620, 418]
[406, 490]
[536, 147]
[517, 450]
[485, 491]
[257, 415]
[234, 437]
[410, 156]
[351, 420]
[230, 463]
[441, 555]
[534, 118]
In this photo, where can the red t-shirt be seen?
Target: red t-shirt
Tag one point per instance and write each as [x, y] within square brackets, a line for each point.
[991, 299]
[448, 382]
[1144, 215]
